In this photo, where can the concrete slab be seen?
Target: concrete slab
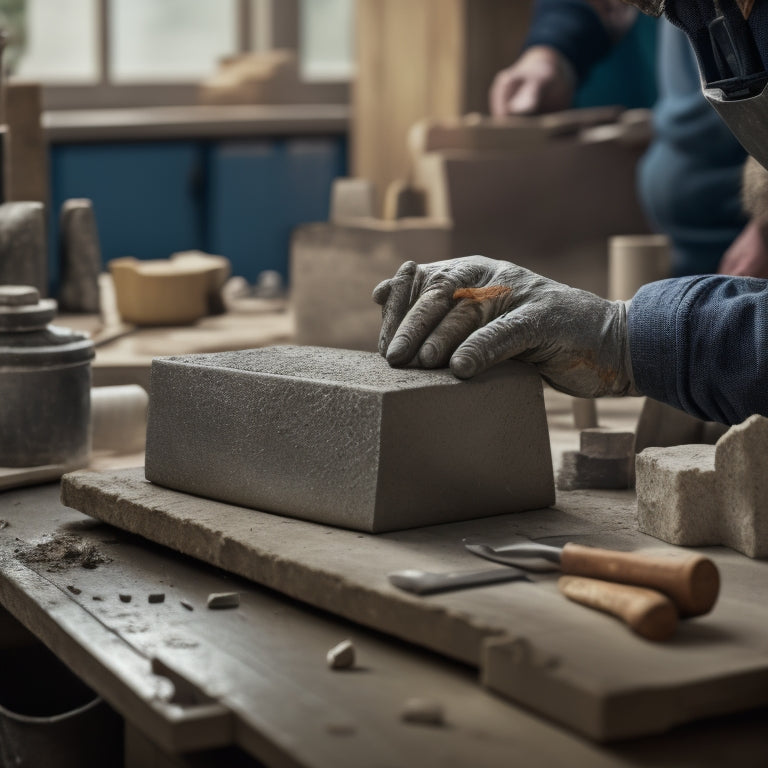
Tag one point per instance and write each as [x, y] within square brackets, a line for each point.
[569, 663]
[339, 437]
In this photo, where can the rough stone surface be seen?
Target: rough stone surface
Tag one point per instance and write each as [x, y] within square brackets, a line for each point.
[341, 656]
[677, 498]
[698, 495]
[80, 257]
[23, 248]
[339, 437]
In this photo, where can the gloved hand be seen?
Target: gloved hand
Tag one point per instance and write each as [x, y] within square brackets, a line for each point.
[476, 312]
[541, 80]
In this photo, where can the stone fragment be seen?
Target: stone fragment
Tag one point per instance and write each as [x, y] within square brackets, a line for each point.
[702, 495]
[606, 460]
[352, 199]
[124, 598]
[157, 597]
[74, 590]
[80, 257]
[186, 604]
[423, 712]
[341, 656]
[339, 437]
[677, 496]
[23, 249]
[223, 600]
[97, 598]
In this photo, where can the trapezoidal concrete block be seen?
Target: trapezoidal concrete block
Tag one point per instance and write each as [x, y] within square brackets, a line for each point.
[677, 495]
[339, 437]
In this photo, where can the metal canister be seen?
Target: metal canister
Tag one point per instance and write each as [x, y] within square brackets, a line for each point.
[45, 383]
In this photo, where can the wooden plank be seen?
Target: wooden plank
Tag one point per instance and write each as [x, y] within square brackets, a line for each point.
[579, 663]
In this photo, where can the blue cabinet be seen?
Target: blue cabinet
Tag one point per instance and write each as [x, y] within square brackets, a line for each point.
[240, 199]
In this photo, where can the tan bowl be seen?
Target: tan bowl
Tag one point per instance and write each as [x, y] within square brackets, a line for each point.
[160, 292]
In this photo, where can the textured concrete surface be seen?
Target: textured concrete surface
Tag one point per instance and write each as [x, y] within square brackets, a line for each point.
[698, 495]
[571, 664]
[339, 437]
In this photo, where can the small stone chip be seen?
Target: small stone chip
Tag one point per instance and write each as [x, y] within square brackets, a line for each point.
[341, 656]
[186, 604]
[224, 600]
[125, 598]
[4, 524]
[97, 598]
[423, 712]
[157, 597]
[74, 590]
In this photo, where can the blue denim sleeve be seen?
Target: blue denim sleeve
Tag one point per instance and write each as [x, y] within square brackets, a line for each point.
[701, 345]
[574, 29]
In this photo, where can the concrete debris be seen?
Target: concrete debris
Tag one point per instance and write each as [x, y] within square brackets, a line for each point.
[64, 551]
[157, 597]
[423, 712]
[702, 495]
[4, 524]
[224, 600]
[97, 598]
[125, 598]
[74, 590]
[186, 604]
[341, 656]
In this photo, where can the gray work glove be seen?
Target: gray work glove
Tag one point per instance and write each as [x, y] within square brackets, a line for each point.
[475, 312]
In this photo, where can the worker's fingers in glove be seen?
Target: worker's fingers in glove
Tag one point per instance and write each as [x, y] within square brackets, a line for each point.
[508, 336]
[460, 322]
[423, 317]
[394, 295]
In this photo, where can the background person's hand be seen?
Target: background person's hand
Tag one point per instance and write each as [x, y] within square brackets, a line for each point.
[541, 80]
[474, 312]
[748, 256]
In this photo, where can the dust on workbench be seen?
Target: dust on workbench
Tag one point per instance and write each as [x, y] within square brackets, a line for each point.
[62, 552]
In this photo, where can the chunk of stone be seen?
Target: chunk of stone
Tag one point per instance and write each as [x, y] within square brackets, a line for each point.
[741, 464]
[23, 249]
[423, 712]
[339, 437]
[341, 656]
[699, 495]
[607, 443]
[80, 257]
[157, 597]
[186, 604]
[224, 600]
[579, 471]
[677, 496]
[124, 598]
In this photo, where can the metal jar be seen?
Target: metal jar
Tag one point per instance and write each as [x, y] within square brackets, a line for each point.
[45, 383]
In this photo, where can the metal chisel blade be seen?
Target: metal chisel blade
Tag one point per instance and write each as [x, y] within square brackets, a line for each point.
[426, 583]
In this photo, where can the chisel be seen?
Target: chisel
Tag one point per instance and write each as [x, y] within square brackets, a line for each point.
[692, 582]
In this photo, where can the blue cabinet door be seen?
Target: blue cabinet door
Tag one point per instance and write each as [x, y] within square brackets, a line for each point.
[259, 191]
[148, 196]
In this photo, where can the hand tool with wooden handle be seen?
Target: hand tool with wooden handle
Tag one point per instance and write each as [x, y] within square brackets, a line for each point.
[691, 581]
[648, 612]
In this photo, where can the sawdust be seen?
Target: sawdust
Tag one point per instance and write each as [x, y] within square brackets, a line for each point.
[63, 552]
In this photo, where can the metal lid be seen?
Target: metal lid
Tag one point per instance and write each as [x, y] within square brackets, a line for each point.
[26, 339]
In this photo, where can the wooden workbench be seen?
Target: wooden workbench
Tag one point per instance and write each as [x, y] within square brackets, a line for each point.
[255, 678]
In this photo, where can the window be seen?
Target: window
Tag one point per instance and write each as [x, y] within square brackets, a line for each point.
[152, 52]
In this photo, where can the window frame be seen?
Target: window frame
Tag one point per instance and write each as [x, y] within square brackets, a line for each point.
[262, 25]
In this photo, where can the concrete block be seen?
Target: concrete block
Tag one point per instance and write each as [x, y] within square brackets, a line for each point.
[352, 199]
[80, 257]
[677, 496]
[606, 460]
[339, 437]
[335, 267]
[741, 464]
[699, 495]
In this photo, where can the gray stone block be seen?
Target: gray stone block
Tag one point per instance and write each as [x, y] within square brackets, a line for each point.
[80, 257]
[677, 496]
[607, 443]
[339, 437]
[579, 471]
[697, 495]
[23, 249]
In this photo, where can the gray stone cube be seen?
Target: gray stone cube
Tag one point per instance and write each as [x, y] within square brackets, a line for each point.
[339, 437]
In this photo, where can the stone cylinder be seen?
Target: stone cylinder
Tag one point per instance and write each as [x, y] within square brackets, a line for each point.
[634, 261]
